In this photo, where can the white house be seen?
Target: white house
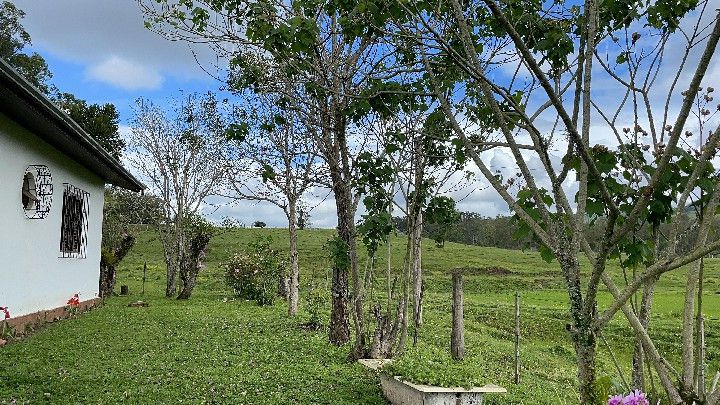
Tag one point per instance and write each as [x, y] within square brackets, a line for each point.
[52, 175]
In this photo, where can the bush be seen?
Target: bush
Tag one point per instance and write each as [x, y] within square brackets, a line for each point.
[254, 274]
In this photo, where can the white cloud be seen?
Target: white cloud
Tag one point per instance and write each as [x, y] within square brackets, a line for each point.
[125, 74]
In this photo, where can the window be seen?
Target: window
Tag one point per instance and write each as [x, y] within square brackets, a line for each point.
[29, 192]
[36, 193]
[73, 230]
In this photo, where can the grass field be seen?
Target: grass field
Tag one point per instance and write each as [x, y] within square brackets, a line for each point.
[214, 350]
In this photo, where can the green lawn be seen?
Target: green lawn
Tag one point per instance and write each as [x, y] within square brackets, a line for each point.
[215, 350]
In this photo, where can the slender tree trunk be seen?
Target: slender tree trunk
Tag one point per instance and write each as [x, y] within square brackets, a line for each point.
[581, 329]
[638, 373]
[175, 259]
[189, 280]
[294, 282]
[417, 270]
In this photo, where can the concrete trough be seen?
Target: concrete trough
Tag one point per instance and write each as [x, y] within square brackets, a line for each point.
[400, 392]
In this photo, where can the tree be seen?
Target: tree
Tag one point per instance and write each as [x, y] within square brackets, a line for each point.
[100, 121]
[13, 38]
[411, 170]
[122, 210]
[641, 177]
[285, 158]
[182, 156]
[327, 73]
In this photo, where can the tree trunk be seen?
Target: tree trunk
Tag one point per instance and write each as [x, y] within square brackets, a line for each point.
[638, 373]
[107, 279]
[108, 262]
[585, 347]
[457, 340]
[339, 333]
[294, 282]
[582, 314]
[174, 247]
[417, 273]
[193, 264]
[339, 166]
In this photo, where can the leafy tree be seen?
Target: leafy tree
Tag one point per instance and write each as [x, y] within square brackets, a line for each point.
[100, 121]
[297, 51]
[559, 52]
[13, 39]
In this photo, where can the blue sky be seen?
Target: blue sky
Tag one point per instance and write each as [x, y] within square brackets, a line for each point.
[100, 51]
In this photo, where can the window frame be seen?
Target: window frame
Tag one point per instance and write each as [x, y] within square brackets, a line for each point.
[74, 222]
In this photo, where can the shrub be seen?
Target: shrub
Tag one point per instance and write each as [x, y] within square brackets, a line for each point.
[254, 274]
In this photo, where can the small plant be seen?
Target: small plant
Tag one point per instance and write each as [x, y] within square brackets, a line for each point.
[73, 304]
[254, 274]
[316, 304]
[636, 397]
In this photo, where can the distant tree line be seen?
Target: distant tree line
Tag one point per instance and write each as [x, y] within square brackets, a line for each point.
[504, 231]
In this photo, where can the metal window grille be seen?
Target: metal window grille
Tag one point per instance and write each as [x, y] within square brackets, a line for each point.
[73, 230]
[41, 189]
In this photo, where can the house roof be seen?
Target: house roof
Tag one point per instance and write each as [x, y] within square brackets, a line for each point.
[25, 104]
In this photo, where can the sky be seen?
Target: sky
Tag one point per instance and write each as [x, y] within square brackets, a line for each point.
[100, 51]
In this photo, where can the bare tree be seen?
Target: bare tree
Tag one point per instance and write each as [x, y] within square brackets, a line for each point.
[280, 166]
[182, 156]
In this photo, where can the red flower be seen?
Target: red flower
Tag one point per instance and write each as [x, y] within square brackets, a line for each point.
[6, 311]
[74, 301]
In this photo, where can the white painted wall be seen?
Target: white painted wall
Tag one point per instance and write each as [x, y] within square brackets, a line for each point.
[32, 275]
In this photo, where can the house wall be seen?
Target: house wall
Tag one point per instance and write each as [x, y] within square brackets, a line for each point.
[33, 276]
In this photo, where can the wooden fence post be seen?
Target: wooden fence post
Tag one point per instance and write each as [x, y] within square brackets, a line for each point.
[144, 277]
[457, 341]
[517, 337]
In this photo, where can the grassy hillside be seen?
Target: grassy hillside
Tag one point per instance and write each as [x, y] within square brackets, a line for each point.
[215, 349]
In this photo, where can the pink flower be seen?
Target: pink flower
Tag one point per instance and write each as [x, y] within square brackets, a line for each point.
[6, 311]
[636, 397]
[615, 400]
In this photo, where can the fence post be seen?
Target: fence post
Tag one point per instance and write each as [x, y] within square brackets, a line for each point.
[517, 337]
[457, 341]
